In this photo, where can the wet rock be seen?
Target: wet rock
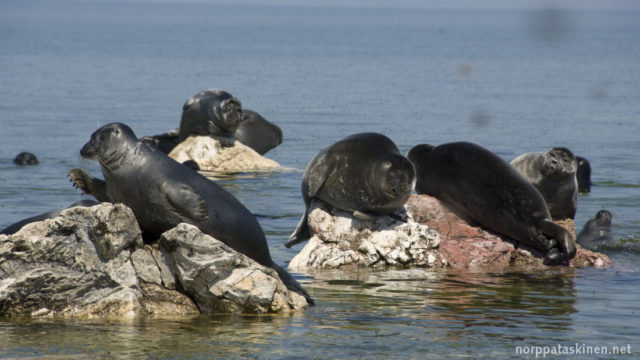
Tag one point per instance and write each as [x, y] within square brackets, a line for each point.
[91, 262]
[220, 279]
[210, 155]
[339, 240]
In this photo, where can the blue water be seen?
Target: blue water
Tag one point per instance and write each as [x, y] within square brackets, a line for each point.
[512, 78]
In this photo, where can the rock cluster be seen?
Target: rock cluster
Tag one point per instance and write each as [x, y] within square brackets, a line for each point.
[91, 262]
[210, 155]
[427, 234]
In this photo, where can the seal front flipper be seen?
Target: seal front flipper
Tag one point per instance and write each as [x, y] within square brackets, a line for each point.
[302, 231]
[363, 216]
[565, 245]
[89, 185]
[314, 177]
[186, 202]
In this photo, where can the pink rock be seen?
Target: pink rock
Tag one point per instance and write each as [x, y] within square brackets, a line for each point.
[466, 245]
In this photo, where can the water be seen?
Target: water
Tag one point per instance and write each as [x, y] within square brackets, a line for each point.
[511, 78]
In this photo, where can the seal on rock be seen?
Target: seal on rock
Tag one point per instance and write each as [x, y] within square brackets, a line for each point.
[553, 173]
[481, 185]
[362, 173]
[14, 228]
[26, 158]
[596, 233]
[211, 112]
[583, 175]
[163, 193]
[163, 142]
[258, 133]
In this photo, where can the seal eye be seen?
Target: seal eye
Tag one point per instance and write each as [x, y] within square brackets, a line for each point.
[101, 137]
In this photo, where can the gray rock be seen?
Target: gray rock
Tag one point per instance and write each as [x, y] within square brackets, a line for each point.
[91, 262]
[220, 279]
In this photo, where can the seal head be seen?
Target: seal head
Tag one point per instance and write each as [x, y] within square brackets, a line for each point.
[211, 112]
[597, 233]
[553, 173]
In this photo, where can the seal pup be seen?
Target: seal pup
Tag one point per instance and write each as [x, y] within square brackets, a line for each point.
[26, 158]
[211, 112]
[163, 193]
[583, 175]
[14, 228]
[363, 173]
[481, 185]
[596, 233]
[258, 133]
[553, 173]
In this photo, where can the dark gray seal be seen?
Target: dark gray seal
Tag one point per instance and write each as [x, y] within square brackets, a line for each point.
[25, 158]
[211, 112]
[597, 233]
[14, 228]
[254, 131]
[553, 173]
[163, 193]
[258, 133]
[481, 185]
[363, 173]
[163, 142]
[583, 175]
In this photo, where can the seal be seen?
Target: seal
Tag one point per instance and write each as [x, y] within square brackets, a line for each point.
[553, 173]
[163, 193]
[583, 175]
[596, 233]
[14, 228]
[258, 133]
[163, 142]
[480, 185]
[25, 158]
[362, 173]
[211, 112]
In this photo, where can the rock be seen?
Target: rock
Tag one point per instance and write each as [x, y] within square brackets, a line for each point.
[210, 155]
[91, 262]
[220, 279]
[80, 264]
[437, 238]
[339, 240]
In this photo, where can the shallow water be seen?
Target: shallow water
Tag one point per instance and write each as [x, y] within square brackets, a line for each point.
[511, 79]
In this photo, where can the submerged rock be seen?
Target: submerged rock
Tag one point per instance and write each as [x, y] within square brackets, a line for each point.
[91, 262]
[211, 155]
[432, 236]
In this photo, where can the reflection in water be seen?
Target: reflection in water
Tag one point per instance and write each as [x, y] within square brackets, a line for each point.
[417, 311]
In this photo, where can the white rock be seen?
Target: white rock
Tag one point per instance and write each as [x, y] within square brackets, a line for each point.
[210, 155]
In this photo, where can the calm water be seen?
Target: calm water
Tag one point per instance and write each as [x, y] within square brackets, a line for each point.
[511, 79]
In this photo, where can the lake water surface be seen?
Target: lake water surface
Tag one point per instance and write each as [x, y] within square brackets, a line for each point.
[511, 79]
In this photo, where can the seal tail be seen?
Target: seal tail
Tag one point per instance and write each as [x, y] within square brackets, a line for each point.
[302, 232]
[291, 283]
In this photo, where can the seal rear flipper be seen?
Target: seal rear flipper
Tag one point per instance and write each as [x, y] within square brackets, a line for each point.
[563, 239]
[301, 233]
[291, 283]
[89, 185]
